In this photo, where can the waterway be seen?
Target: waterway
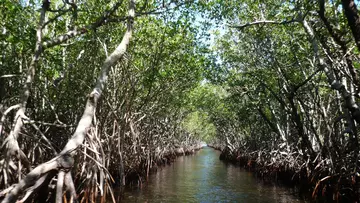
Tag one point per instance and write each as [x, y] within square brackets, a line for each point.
[204, 178]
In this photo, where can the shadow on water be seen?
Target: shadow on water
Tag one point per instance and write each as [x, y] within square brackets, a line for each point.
[204, 178]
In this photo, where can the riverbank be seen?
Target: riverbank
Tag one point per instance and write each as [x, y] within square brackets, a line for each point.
[311, 179]
[139, 174]
[204, 178]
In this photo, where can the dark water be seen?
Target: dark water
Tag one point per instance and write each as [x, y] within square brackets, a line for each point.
[204, 178]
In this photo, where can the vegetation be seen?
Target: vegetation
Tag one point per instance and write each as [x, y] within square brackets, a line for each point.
[292, 80]
[275, 86]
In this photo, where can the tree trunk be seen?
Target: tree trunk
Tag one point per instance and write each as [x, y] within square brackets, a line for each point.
[352, 16]
[64, 160]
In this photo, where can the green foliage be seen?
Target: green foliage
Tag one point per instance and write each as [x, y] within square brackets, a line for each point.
[249, 85]
[199, 125]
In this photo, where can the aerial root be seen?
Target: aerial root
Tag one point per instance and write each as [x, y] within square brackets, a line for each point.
[59, 186]
[70, 187]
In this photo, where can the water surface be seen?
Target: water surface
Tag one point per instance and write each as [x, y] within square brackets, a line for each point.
[204, 178]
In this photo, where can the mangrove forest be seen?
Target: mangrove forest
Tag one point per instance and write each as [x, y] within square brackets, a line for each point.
[99, 95]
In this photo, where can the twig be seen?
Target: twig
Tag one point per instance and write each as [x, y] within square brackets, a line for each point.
[296, 19]
[62, 12]
[28, 121]
[44, 138]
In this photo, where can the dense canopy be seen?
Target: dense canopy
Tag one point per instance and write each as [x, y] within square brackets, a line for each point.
[95, 94]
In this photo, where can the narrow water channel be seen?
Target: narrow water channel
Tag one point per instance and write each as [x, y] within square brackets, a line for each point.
[204, 178]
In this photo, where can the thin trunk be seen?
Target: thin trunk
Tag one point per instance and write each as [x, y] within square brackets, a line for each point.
[351, 13]
[311, 123]
[340, 42]
[335, 84]
[305, 143]
[12, 145]
[268, 121]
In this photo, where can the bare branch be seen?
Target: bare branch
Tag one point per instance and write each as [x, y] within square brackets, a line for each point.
[3, 117]
[33, 188]
[307, 80]
[265, 22]
[87, 117]
[30, 179]
[27, 121]
[62, 12]
[9, 76]
[44, 138]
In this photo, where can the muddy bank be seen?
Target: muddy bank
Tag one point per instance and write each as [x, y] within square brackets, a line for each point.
[312, 179]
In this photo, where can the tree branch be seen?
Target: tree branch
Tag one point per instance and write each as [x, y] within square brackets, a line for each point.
[3, 117]
[65, 160]
[351, 13]
[265, 22]
[99, 22]
[12, 146]
[340, 42]
[306, 80]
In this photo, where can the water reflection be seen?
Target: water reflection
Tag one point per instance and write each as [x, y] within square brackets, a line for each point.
[204, 178]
